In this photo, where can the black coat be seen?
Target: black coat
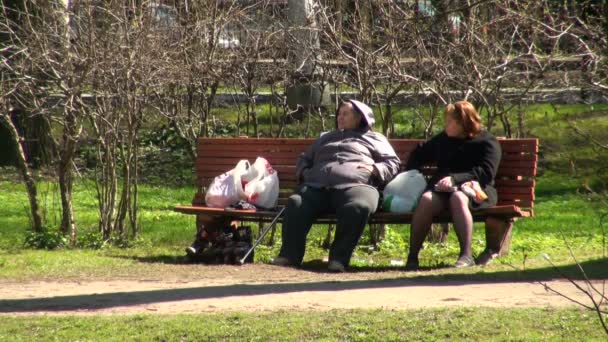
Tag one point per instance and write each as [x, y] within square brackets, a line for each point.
[463, 159]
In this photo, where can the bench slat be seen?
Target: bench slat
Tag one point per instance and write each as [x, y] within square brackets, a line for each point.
[282, 159]
[287, 173]
[516, 171]
[238, 155]
[507, 185]
[381, 217]
[253, 141]
[515, 183]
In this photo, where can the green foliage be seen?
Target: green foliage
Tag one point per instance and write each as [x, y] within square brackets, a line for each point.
[91, 240]
[122, 242]
[164, 136]
[393, 242]
[264, 253]
[165, 158]
[45, 240]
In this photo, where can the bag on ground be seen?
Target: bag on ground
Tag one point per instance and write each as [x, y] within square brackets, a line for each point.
[226, 245]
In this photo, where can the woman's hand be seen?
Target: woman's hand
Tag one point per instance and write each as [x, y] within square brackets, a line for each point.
[445, 184]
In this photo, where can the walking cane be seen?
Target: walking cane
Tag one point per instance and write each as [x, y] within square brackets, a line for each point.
[257, 242]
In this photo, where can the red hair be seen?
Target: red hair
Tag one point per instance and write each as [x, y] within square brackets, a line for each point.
[465, 113]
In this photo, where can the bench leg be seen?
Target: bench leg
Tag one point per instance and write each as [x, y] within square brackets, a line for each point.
[327, 242]
[377, 232]
[211, 224]
[498, 239]
[438, 233]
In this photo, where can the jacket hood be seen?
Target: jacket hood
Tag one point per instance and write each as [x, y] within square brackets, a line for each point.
[365, 111]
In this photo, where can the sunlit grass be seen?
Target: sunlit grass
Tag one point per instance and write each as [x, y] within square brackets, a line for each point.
[454, 324]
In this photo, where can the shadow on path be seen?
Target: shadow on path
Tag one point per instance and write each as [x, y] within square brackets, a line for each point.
[597, 269]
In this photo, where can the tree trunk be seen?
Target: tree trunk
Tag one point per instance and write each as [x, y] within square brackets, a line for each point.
[303, 43]
[134, 207]
[25, 173]
[68, 148]
[388, 112]
[301, 17]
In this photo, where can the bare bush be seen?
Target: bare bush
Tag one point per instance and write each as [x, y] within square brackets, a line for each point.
[54, 71]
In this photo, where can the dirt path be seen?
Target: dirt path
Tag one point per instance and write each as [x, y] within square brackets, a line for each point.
[264, 288]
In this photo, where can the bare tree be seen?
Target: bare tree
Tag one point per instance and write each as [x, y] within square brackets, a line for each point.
[13, 55]
[302, 40]
[54, 77]
[22, 163]
[255, 57]
[131, 61]
[195, 67]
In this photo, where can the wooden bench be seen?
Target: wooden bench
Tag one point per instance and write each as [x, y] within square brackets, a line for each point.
[514, 182]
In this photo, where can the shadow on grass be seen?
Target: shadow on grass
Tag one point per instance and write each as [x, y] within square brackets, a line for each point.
[595, 269]
[161, 259]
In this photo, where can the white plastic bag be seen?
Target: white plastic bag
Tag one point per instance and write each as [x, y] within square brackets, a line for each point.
[243, 173]
[263, 191]
[222, 191]
[402, 193]
[227, 188]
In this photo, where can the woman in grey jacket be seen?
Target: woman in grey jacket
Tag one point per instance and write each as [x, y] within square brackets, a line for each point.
[340, 172]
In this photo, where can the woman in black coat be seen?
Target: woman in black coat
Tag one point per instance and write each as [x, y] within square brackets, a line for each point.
[465, 156]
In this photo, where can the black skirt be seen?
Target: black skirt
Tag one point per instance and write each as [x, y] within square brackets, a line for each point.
[489, 202]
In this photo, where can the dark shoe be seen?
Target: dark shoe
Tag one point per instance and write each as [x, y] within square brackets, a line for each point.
[194, 249]
[486, 257]
[335, 266]
[412, 265]
[464, 261]
[191, 251]
[281, 261]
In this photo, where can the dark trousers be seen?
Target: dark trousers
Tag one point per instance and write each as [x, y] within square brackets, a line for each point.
[352, 206]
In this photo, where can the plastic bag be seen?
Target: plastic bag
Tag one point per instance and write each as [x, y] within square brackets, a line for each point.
[222, 191]
[263, 191]
[227, 188]
[256, 183]
[402, 193]
[243, 173]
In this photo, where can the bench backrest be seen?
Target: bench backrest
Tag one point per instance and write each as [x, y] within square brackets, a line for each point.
[514, 182]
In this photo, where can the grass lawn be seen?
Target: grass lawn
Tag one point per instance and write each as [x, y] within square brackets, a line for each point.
[563, 218]
[462, 324]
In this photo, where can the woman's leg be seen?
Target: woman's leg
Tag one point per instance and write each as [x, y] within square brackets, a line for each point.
[429, 205]
[353, 207]
[302, 209]
[463, 221]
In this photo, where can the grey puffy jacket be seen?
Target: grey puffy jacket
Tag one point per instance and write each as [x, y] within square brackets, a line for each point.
[332, 160]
